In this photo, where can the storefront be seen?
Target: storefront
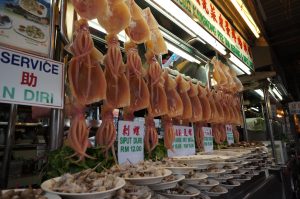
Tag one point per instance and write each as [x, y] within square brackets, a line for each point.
[144, 99]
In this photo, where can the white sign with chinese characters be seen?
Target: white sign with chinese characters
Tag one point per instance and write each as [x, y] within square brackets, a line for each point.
[184, 142]
[30, 80]
[130, 142]
[208, 142]
[229, 133]
[294, 108]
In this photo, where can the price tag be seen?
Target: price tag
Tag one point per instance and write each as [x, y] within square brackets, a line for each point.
[184, 142]
[208, 141]
[229, 133]
[130, 142]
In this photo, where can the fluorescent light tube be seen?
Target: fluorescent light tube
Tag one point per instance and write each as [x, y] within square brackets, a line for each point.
[277, 93]
[241, 8]
[171, 18]
[181, 53]
[239, 64]
[175, 14]
[260, 93]
[254, 109]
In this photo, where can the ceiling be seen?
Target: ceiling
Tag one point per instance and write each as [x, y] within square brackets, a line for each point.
[280, 20]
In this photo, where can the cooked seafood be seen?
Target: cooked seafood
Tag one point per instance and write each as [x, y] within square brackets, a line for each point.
[217, 189]
[32, 32]
[32, 5]
[178, 191]
[143, 169]
[133, 192]
[195, 175]
[87, 181]
[22, 194]
[169, 178]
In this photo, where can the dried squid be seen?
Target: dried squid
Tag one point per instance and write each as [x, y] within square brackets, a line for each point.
[117, 18]
[156, 43]
[216, 134]
[196, 105]
[238, 83]
[199, 135]
[78, 134]
[138, 29]
[222, 130]
[151, 136]
[86, 78]
[90, 9]
[219, 107]
[236, 135]
[218, 73]
[118, 90]
[175, 105]
[183, 87]
[169, 132]
[206, 109]
[139, 93]
[158, 98]
[106, 133]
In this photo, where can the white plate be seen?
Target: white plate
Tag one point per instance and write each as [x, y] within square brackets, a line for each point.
[46, 186]
[241, 180]
[193, 190]
[214, 174]
[218, 165]
[181, 170]
[48, 195]
[34, 12]
[223, 178]
[231, 186]
[211, 184]
[24, 34]
[167, 185]
[201, 166]
[148, 180]
[233, 168]
[202, 196]
[192, 181]
[217, 193]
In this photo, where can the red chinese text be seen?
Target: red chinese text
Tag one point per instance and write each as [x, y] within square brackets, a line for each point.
[29, 79]
[126, 130]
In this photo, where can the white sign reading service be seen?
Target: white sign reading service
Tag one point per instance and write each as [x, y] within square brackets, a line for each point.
[30, 80]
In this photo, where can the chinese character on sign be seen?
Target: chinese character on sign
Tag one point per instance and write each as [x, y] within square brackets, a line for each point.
[190, 132]
[204, 5]
[240, 42]
[185, 133]
[178, 132]
[233, 34]
[213, 13]
[29, 79]
[221, 21]
[198, 2]
[126, 130]
[245, 46]
[227, 28]
[136, 130]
